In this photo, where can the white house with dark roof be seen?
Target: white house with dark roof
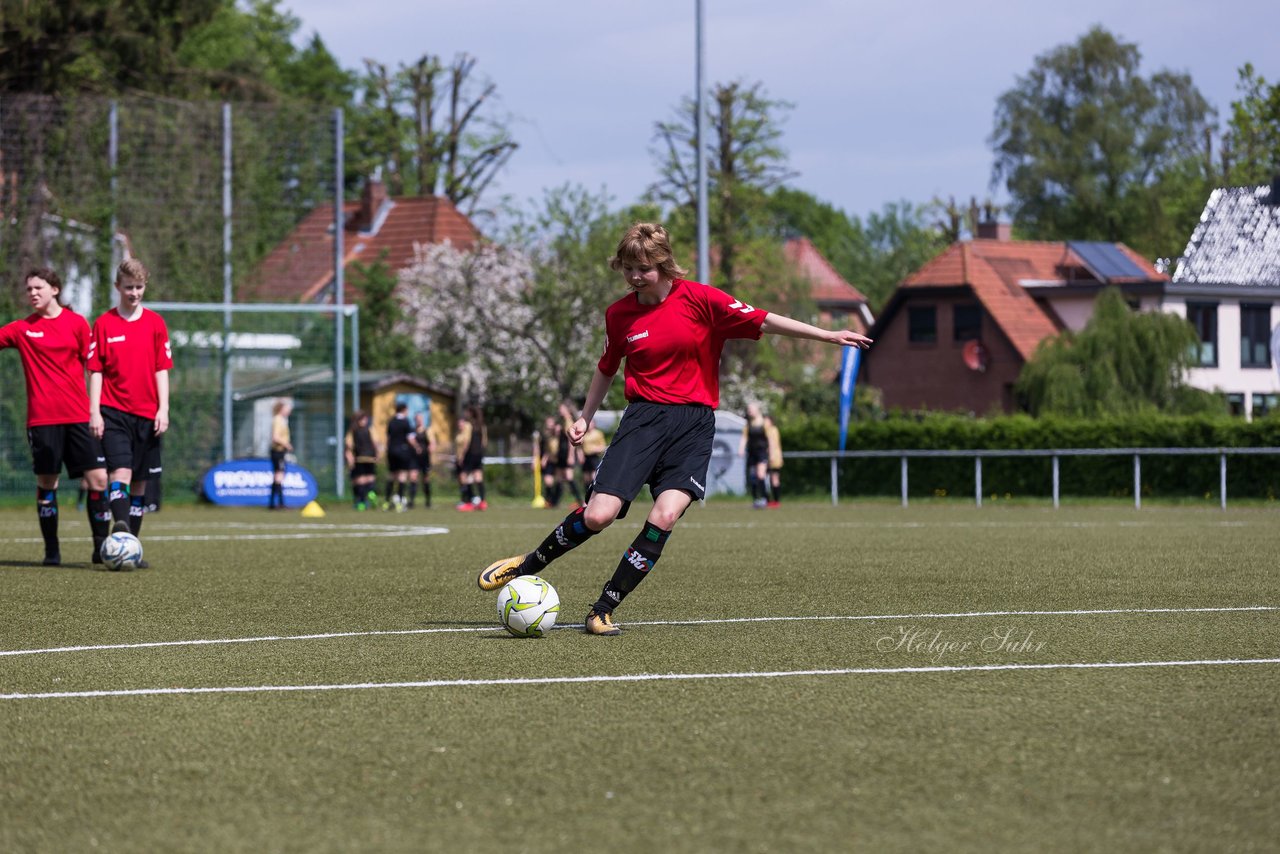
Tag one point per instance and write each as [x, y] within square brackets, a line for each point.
[1227, 284]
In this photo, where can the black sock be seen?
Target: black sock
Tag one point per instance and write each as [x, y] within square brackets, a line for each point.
[119, 500]
[136, 513]
[47, 507]
[390, 489]
[413, 492]
[776, 490]
[569, 534]
[480, 490]
[466, 493]
[99, 517]
[635, 565]
[426, 493]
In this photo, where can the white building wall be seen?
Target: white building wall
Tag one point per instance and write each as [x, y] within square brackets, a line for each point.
[1228, 377]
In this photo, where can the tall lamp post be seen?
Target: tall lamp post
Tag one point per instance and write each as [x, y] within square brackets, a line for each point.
[700, 155]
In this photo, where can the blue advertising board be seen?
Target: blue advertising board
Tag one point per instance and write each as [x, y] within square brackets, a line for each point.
[247, 483]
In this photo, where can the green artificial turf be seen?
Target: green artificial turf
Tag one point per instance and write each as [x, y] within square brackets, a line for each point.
[793, 753]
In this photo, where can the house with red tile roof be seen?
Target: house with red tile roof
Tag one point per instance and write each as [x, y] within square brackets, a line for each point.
[956, 333]
[300, 268]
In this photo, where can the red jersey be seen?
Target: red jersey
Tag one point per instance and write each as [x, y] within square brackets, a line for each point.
[53, 350]
[128, 353]
[673, 348]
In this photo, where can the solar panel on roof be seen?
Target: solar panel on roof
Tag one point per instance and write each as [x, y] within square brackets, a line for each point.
[1105, 260]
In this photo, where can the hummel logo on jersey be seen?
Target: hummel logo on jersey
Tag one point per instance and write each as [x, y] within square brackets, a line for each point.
[638, 336]
[638, 560]
[31, 333]
[741, 306]
[115, 340]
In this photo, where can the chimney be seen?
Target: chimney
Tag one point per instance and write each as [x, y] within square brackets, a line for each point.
[990, 229]
[371, 201]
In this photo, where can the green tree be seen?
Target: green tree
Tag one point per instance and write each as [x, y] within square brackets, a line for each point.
[1122, 362]
[745, 160]
[51, 47]
[1082, 140]
[1252, 142]
[383, 343]
[249, 54]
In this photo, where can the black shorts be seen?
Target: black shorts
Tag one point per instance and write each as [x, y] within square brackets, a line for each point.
[130, 442]
[53, 445]
[471, 462]
[401, 459]
[667, 446]
[277, 460]
[364, 470]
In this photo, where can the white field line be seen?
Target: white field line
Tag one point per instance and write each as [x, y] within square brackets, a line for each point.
[637, 677]
[722, 621]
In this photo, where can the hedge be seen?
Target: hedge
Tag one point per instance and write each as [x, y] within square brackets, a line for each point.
[1175, 476]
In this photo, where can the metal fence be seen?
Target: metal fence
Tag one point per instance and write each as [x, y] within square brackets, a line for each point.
[1055, 455]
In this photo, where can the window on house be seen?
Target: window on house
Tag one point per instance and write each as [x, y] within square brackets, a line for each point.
[1235, 403]
[1255, 336]
[967, 319]
[922, 324]
[1264, 404]
[1203, 317]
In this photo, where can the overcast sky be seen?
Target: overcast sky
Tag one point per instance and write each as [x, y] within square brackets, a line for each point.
[892, 100]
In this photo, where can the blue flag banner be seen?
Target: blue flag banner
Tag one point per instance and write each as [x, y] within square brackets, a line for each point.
[848, 378]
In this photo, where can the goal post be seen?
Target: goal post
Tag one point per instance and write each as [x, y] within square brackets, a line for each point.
[232, 361]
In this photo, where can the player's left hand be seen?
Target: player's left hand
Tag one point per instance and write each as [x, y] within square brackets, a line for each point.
[849, 338]
[162, 422]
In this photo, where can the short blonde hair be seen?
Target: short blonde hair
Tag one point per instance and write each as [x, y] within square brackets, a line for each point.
[132, 268]
[647, 244]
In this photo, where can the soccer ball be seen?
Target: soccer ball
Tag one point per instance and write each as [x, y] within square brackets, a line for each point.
[528, 606]
[121, 551]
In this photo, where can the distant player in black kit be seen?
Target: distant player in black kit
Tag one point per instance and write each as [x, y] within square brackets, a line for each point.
[469, 445]
[426, 450]
[402, 456]
[670, 331]
[362, 459]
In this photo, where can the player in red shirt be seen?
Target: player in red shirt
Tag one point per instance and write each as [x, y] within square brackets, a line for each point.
[670, 331]
[53, 342]
[129, 362]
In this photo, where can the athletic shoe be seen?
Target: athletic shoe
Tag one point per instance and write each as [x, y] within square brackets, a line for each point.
[773, 505]
[500, 572]
[601, 623]
[121, 527]
[464, 507]
[483, 505]
[142, 564]
[97, 558]
[52, 559]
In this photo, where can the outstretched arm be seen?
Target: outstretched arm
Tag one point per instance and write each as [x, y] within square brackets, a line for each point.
[776, 324]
